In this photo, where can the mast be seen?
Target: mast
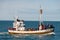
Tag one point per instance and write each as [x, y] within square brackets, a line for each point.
[40, 15]
[40, 21]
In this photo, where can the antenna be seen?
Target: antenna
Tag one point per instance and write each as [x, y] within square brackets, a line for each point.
[15, 18]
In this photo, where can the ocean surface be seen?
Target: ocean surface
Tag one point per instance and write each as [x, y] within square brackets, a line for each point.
[4, 35]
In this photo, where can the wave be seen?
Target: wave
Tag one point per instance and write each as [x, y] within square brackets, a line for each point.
[25, 35]
[4, 33]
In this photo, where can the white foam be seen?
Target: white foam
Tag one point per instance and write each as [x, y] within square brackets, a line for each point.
[3, 32]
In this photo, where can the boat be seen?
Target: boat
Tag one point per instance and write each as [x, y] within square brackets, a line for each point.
[19, 27]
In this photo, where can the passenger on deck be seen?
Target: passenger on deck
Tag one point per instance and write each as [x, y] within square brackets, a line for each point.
[41, 27]
[46, 26]
[30, 29]
[18, 20]
[49, 26]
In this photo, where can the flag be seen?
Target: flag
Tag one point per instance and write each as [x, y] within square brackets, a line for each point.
[41, 11]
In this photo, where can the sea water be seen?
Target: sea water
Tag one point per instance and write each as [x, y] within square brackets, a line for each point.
[4, 35]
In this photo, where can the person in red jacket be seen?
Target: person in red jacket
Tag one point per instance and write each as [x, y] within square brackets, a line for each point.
[43, 27]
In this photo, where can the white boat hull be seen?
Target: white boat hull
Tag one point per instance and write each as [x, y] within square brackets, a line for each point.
[31, 32]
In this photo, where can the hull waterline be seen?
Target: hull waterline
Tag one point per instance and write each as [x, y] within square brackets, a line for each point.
[31, 32]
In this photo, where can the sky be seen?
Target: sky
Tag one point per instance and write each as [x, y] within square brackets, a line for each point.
[29, 9]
